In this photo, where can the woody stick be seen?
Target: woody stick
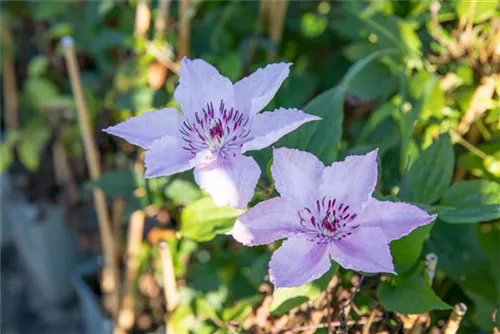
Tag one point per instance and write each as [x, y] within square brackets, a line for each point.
[184, 29]
[109, 283]
[126, 315]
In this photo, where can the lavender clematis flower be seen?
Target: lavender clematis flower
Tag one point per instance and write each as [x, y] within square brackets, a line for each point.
[220, 123]
[326, 212]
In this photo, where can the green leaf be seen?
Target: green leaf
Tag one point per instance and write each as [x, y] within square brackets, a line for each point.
[462, 257]
[286, 299]
[39, 90]
[377, 80]
[483, 308]
[182, 192]
[472, 193]
[203, 220]
[38, 66]
[116, 183]
[484, 168]
[6, 150]
[489, 238]
[472, 214]
[475, 201]
[482, 10]
[322, 138]
[430, 174]
[49, 10]
[34, 139]
[296, 90]
[409, 295]
[407, 250]
[241, 309]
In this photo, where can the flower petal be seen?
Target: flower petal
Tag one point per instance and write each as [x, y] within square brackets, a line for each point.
[260, 87]
[166, 157]
[144, 129]
[394, 219]
[231, 182]
[296, 175]
[351, 181]
[266, 222]
[366, 249]
[199, 84]
[268, 127]
[298, 261]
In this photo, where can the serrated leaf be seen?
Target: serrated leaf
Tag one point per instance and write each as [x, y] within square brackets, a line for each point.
[286, 299]
[430, 174]
[472, 214]
[472, 193]
[203, 220]
[409, 295]
[475, 201]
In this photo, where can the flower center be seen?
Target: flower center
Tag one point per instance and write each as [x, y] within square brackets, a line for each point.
[222, 132]
[328, 220]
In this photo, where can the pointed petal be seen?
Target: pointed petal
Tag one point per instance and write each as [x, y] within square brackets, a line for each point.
[230, 183]
[166, 157]
[394, 219]
[366, 249]
[351, 181]
[266, 222]
[199, 84]
[268, 127]
[298, 261]
[296, 175]
[144, 129]
[260, 87]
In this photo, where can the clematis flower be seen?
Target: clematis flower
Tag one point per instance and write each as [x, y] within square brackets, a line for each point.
[326, 213]
[220, 122]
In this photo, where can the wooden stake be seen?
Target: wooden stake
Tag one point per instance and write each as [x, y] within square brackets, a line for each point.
[455, 319]
[431, 260]
[277, 23]
[169, 284]
[126, 317]
[262, 20]
[183, 49]
[11, 101]
[109, 282]
[142, 18]
[161, 22]
[479, 103]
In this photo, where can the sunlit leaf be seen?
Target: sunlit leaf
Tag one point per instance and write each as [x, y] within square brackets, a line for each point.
[203, 220]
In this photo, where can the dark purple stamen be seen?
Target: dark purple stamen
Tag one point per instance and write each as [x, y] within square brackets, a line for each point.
[223, 132]
[335, 222]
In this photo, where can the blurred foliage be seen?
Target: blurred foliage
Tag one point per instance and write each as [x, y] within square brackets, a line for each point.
[406, 77]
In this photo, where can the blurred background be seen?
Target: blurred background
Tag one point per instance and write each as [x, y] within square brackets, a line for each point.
[408, 71]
